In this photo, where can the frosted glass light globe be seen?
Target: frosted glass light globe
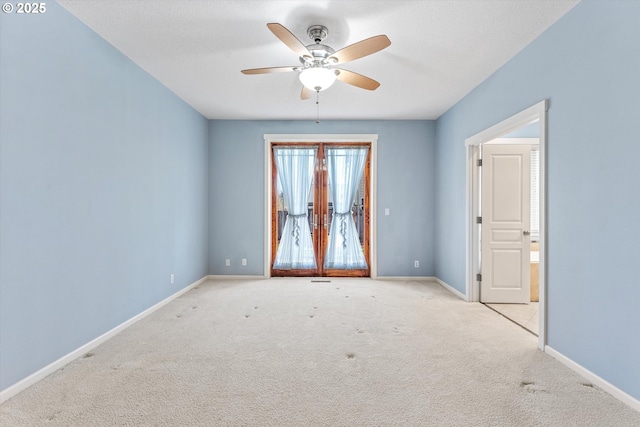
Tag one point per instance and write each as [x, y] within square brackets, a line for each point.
[318, 78]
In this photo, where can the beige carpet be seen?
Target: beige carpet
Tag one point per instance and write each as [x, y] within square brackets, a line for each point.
[290, 352]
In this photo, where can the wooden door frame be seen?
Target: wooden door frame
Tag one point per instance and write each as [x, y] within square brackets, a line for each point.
[537, 112]
[321, 205]
[269, 139]
[367, 212]
[274, 208]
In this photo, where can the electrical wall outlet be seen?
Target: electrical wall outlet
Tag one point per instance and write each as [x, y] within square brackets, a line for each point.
[171, 279]
[227, 262]
[416, 264]
[244, 262]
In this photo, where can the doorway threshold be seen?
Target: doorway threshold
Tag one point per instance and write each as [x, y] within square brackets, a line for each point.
[524, 315]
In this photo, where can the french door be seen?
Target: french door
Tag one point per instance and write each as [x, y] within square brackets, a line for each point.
[320, 209]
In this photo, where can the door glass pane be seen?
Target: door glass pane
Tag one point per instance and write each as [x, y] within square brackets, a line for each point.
[294, 200]
[282, 211]
[345, 170]
[357, 210]
[358, 207]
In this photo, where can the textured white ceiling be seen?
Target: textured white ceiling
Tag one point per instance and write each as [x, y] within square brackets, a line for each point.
[440, 50]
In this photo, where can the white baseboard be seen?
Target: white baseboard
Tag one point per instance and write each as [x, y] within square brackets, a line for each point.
[428, 278]
[451, 289]
[258, 276]
[21, 385]
[594, 379]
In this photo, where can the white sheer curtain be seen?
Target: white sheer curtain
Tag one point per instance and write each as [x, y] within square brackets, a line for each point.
[345, 167]
[295, 171]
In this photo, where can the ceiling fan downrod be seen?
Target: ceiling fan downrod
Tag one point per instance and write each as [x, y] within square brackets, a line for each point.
[317, 33]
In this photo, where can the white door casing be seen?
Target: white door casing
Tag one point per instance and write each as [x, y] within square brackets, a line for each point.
[536, 112]
[505, 238]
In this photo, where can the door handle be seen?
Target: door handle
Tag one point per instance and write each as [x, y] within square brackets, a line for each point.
[315, 222]
[325, 221]
[526, 232]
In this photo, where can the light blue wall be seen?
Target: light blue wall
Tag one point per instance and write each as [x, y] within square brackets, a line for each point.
[405, 184]
[588, 66]
[103, 190]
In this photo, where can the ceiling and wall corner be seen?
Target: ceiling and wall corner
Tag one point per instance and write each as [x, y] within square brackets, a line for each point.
[440, 51]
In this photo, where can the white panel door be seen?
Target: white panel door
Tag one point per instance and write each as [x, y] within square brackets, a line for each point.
[505, 236]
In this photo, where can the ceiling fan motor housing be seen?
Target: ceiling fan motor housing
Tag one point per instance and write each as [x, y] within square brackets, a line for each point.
[318, 51]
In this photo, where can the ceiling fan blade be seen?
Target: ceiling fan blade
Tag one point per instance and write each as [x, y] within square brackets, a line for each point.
[362, 48]
[357, 80]
[289, 39]
[306, 93]
[269, 70]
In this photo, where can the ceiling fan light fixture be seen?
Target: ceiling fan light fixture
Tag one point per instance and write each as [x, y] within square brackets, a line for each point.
[317, 78]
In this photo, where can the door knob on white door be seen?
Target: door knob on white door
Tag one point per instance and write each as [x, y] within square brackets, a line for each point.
[526, 232]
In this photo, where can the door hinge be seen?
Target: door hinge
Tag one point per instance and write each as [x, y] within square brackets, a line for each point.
[479, 162]
[479, 277]
[478, 220]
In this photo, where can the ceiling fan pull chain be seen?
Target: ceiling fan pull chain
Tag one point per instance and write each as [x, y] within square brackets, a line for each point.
[317, 106]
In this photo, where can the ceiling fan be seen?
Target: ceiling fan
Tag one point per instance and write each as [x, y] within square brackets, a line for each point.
[318, 70]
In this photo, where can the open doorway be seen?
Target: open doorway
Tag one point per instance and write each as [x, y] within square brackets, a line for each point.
[506, 242]
[521, 146]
